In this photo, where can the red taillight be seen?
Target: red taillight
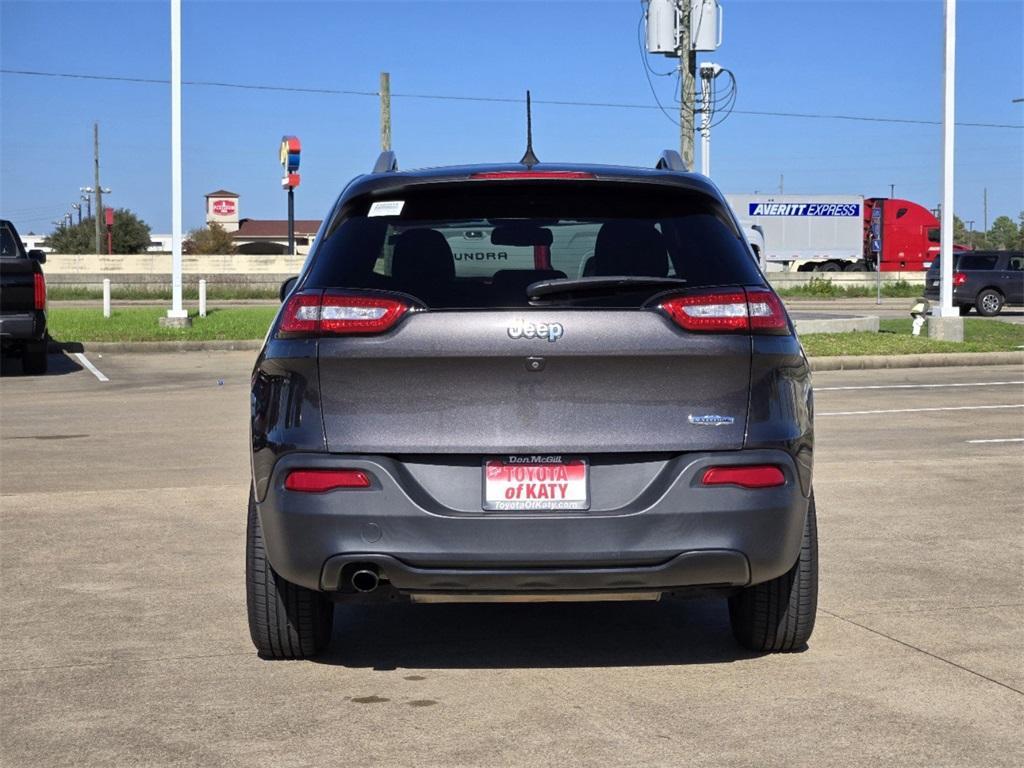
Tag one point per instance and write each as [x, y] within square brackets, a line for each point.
[301, 314]
[532, 175]
[709, 311]
[959, 278]
[766, 312]
[746, 477]
[39, 291]
[755, 309]
[337, 314]
[321, 480]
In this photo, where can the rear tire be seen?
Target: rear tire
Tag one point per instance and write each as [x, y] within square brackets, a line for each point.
[989, 302]
[778, 615]
[829, 266]
[34, 359]
[286, 621]
[965, 309]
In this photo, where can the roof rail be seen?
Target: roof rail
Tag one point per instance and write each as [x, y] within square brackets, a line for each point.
[670, 161]
[386, 162]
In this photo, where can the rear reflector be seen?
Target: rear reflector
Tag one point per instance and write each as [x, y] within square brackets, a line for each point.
[764, 476]
[39, 291]
[319, 313]
[532, 175]
[738, 310]
[321, 480]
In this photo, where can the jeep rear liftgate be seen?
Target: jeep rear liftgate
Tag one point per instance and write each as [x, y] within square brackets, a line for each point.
[593, 381]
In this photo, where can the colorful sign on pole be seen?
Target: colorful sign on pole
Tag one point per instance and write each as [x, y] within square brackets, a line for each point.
[289, 154]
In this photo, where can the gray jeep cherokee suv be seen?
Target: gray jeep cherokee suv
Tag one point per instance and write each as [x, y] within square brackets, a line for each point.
[539, 382]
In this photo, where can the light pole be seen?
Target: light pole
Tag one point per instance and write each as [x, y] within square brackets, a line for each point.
[949, 325]
[78, 207]
[892, 190]
[177, 316]
[88, 200]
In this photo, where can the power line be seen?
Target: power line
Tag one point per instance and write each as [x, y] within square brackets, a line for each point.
[488, 99]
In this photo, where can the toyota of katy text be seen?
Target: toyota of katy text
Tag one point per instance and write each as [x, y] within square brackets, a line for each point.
[530, 382]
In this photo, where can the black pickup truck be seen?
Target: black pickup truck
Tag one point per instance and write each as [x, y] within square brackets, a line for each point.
[22, 301]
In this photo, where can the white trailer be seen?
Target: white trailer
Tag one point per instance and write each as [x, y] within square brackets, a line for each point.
[823, 233]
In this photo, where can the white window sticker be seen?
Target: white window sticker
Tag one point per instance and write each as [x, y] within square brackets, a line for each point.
[386, 208]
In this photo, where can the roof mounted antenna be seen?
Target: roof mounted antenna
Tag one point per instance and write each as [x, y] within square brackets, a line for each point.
[529, 159]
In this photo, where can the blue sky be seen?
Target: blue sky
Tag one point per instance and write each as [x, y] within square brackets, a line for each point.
[855, 58]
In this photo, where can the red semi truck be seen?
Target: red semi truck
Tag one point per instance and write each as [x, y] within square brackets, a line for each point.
[839, 233]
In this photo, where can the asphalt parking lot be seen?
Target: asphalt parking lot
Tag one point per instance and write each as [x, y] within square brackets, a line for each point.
[123, 610]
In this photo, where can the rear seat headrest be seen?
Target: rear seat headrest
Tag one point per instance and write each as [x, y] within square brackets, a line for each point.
[422, 255]
[633, 248]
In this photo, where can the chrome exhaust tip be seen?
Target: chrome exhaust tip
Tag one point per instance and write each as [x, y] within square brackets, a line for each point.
[365, 580]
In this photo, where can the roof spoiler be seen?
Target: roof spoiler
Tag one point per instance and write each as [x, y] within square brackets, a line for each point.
[669, 161]
[386, 162]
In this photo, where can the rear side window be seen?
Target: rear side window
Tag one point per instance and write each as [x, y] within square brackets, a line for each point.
[10, 246]
[480, 244]
[977, 261]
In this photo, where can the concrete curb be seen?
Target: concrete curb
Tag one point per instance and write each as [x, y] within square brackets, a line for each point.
[936, 360]
[861, 324]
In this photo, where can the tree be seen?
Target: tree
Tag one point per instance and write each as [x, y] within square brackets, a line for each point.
[213, 239]
[1004, 234]
[959, 230]
[130, 235]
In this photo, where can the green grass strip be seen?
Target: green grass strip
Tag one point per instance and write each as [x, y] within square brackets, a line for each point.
[895, 338]
[142, 324]
[824, 288]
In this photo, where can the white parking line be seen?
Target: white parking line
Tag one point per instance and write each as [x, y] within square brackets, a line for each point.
[999, 440]
[918, 386]
[919, 410]
[92, 368]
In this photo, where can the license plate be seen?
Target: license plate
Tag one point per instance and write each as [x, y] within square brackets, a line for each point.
[536, 483]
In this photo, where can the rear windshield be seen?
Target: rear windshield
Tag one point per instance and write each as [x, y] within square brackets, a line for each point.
[480, 245]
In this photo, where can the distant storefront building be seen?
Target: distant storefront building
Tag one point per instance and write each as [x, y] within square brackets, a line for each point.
[257, 236]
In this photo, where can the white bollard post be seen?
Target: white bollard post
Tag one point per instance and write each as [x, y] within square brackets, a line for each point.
[202, 298]
[106, 297]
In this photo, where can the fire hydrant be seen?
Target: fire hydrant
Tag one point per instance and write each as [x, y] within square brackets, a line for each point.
[920, 314]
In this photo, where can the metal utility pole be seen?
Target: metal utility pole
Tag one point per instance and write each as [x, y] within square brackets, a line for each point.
[705, 123]
[78, 208]
[708, 73]
[948, 116]
[385, 111]
[892, 190]
[984, 201]
[98, 190]
[687, 80]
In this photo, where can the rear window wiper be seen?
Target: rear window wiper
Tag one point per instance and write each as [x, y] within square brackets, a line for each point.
[609, 284]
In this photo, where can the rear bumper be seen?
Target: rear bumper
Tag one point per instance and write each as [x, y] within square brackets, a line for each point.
[22, 326]
[677, 534]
